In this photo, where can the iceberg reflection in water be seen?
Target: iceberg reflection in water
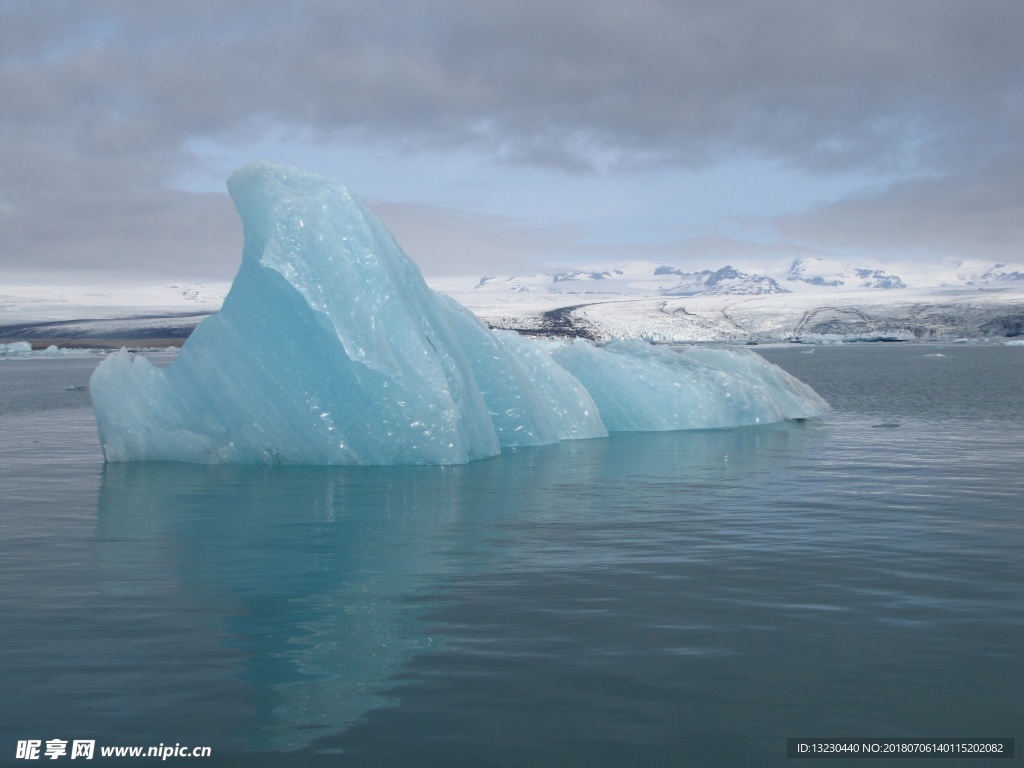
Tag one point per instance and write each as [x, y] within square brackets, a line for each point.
[293, 596]
[293, 581]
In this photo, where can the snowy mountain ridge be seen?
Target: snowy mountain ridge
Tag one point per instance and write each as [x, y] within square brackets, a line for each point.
[638, 277]
[808, 298]
[828, 273]
[998, 275]
[804, 274]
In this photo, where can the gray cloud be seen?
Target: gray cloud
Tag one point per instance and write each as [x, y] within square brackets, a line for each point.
[70, 215]
[455, 243]
[100, 100]
[876, 83]
[971, 215]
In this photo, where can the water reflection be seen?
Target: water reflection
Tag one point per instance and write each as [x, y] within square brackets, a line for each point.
[305, 574]
[272, 606]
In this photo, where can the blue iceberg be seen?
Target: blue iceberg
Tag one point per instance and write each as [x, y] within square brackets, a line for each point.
[642, 387]
[331, 349]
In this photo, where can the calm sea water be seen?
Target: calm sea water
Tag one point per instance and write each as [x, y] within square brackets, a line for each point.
[661, 599]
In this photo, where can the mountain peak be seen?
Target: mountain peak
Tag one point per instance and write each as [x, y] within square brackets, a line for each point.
[830, 273]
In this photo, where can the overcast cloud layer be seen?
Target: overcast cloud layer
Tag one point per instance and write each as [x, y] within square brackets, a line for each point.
[105, 104]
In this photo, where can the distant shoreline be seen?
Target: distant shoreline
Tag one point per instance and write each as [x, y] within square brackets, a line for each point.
[136, 343]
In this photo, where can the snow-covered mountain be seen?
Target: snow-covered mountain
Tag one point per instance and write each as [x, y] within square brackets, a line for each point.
[806, 298]
[639, 277]
[829, 273]
[803, 275]
[810, 298]
[727, 280]
[106, 312]
[105, 301]
[997, 275]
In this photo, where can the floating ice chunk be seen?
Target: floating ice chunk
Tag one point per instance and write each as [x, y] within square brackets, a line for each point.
[15, 349]
[532, 400]
[331, 349]
[562, 396]
[639, 386]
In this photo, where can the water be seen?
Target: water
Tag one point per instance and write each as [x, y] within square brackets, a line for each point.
[661, 599]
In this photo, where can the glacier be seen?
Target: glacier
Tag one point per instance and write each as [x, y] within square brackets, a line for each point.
[330, 348]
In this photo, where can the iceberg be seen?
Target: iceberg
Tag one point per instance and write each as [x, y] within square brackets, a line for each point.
[15, 349]
[532, 400]
[330, 348]
[641, 387]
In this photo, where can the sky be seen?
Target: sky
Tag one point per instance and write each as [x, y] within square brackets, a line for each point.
[505, 137]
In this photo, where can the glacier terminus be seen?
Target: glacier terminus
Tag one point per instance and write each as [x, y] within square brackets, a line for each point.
[331, 349]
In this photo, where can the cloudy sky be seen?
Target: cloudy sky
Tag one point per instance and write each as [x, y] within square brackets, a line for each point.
[493, 137]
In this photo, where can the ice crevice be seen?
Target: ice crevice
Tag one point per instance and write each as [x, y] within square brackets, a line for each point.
[330, 348]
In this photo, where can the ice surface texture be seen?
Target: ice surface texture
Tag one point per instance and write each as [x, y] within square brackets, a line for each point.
[641, 387]
[15, 349]
[331, 349]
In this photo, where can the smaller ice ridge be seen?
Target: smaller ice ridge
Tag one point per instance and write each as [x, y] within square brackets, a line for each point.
[331, 349]
[16, 349]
